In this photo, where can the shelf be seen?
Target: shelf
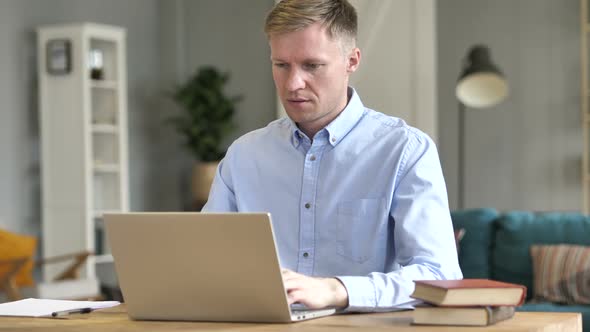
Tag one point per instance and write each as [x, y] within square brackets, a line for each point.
[104, 129]
[106, 168]
[107, 258]
[101, 213]
[102, 84]
[85, 128]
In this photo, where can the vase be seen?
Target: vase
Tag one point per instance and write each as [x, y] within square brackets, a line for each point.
[203, 175]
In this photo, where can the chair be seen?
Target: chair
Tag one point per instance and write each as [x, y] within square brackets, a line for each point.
[8, 281]
[16, 267]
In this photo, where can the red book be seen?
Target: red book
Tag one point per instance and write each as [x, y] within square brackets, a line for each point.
[469, 292]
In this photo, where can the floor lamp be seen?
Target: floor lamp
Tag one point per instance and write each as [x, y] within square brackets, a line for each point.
[480, 85]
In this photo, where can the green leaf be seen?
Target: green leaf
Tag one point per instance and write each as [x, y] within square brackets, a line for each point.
[207, 112]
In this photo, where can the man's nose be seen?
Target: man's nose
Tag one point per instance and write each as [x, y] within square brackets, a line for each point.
[295, 80]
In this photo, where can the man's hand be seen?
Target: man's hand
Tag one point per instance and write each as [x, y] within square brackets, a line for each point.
[314, 293]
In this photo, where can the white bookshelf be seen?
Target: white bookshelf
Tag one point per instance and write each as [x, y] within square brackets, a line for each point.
[83, 139]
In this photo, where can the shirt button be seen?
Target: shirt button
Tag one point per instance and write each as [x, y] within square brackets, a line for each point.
[305, 255]
[333, 139]
[312, 158]
[307, 205]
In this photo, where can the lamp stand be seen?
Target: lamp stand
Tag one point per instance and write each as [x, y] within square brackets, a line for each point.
[461, 156]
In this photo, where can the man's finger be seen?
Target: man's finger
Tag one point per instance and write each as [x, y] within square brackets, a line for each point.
[294, 296]
[291, 284]
[290, 275]
[288, 272]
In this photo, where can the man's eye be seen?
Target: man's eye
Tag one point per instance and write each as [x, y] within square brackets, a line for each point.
[312, 66]
[280, 65]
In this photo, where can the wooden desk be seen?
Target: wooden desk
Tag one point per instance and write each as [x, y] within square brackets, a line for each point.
[115, 319]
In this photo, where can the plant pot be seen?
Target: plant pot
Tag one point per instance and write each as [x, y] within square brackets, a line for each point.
[203, 175]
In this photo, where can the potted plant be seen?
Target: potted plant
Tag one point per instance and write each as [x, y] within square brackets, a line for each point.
[205, 121]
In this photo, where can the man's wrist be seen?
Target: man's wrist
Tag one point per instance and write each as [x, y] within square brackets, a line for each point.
[339, 291]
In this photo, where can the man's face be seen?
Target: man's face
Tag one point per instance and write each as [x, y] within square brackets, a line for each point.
[311, 72]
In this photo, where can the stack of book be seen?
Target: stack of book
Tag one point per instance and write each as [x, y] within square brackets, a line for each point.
[474, 302]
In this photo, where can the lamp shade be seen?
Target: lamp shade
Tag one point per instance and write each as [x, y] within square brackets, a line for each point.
[481, 84]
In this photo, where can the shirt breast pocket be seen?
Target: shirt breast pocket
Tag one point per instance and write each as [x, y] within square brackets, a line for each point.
[361, 228]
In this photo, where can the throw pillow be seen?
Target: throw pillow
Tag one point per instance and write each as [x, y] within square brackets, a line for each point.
[561, 273]
[459, 233]
[14, 246]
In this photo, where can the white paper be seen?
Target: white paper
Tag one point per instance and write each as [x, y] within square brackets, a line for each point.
[44, 308]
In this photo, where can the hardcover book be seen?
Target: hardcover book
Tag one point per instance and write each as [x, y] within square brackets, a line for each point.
[469, 292]
[469, 316]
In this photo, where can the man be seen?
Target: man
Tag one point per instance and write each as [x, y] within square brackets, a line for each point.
[358, 198]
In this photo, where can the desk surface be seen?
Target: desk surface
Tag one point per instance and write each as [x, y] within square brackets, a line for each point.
[115, 319]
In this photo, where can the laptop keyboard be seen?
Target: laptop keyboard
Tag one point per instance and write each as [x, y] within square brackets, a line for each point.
[302, 312]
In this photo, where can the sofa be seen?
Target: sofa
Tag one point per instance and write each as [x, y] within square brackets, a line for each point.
[497, 246]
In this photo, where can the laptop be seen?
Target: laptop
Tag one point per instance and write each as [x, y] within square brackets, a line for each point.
[217, 267]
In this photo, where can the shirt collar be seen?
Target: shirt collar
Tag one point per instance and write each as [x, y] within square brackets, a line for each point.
[347, 119]
[340, 126]
[296, 134]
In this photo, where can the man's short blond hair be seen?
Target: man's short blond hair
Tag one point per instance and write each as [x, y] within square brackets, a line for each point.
[338, 16]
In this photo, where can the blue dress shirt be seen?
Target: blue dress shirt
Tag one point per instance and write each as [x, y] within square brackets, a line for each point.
[365, 201]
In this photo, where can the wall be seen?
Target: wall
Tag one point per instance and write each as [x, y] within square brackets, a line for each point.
[166, 40]
[229, 35]
[521, 154]
[397, 75]
[524, 153]
[150, 142]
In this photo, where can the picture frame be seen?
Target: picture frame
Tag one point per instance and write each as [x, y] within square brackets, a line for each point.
[58, 56]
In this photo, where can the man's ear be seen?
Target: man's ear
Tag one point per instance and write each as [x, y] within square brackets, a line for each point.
[353, 60]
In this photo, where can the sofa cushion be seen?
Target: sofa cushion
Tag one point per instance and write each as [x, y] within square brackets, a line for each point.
[518, 230]
[474, 256]
[561, 273]
[459, 233]
[554, 307]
